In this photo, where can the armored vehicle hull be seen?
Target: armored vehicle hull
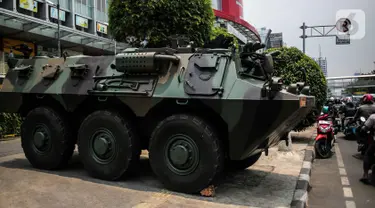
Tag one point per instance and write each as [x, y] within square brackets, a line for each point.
[194, 112]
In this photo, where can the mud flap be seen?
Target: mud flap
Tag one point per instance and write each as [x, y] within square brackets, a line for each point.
[320, 137]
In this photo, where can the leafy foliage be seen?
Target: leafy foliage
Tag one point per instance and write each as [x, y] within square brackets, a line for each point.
[10, 123]
[290, 69]
[216, 31]
[159, 19]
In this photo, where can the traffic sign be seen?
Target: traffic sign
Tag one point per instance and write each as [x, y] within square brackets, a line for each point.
[342, 39]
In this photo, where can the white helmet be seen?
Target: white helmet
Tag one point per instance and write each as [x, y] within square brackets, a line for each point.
[332, 99]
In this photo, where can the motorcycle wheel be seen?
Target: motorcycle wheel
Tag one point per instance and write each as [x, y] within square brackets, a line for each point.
[323, 149]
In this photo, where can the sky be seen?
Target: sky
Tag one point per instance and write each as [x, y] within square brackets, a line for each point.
[287, 16]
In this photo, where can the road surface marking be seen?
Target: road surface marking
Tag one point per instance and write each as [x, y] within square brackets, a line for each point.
[342, 171]
[350, 204]
[347, 192]
[340, 162]
[345, 181]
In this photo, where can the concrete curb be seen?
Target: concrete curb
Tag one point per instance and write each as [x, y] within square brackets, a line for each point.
[300, 196]
[9, 138]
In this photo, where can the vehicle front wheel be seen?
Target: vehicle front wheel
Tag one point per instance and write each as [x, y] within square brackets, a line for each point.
[323, 149]
[186, 153]
[237, 165]
[47, 139]
[108, 146]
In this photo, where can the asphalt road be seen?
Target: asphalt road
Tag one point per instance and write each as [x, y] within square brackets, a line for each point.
[335, 181]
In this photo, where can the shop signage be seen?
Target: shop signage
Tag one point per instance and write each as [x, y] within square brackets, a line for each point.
[30, 5]
[102, 28]
[53, 13]
[82, 22]
[236, 33]
[11, 44]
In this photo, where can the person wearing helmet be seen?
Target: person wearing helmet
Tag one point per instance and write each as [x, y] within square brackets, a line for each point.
[330, 101]
[348, 110]
[369, 157]
[365, 110]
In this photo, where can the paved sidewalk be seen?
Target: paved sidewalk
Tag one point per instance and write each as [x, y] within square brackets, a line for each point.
[269, 183]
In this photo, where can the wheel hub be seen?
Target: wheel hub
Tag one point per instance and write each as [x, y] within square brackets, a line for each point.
[182, 154]
[179, 155]
[39, 139]
[101, 146]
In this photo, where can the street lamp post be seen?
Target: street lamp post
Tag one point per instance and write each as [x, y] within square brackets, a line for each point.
[58, 24]
[58, 29]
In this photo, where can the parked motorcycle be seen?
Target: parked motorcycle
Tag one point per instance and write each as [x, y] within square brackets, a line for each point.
[325, 138]
[365, 139]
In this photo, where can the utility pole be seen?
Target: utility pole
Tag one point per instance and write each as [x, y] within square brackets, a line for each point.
[115, 47]
[58, 24]
[58, 29]
[320, 34]
[303, 27]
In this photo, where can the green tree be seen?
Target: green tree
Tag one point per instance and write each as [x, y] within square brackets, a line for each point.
[216, 31]
[159, 19]
[290, 69]
[10, 123]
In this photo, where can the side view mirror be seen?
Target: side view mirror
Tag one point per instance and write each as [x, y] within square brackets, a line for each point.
[363, 119]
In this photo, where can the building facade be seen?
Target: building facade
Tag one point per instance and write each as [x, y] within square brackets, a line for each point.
[229, 14]
[83, 28]
[322, 62]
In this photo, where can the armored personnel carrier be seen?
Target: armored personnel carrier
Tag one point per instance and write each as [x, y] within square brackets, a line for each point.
[198, 111]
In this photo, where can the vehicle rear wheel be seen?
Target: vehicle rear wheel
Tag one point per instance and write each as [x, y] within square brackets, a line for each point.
[237, 165]
[47, 139]
[185, 153]
[108, 146]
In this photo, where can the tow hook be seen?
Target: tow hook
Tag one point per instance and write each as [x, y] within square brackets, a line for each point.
[266, 151]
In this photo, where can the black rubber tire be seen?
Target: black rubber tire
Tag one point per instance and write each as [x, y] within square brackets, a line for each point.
[372, 179]
[126, 143]
[318, 151]
[62, 139]
[238, 165]
[211, 154]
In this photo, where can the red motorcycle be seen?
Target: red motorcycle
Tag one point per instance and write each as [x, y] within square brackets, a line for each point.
[325, 138]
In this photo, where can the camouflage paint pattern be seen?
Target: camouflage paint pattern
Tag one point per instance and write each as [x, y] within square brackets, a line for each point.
[254, 122]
